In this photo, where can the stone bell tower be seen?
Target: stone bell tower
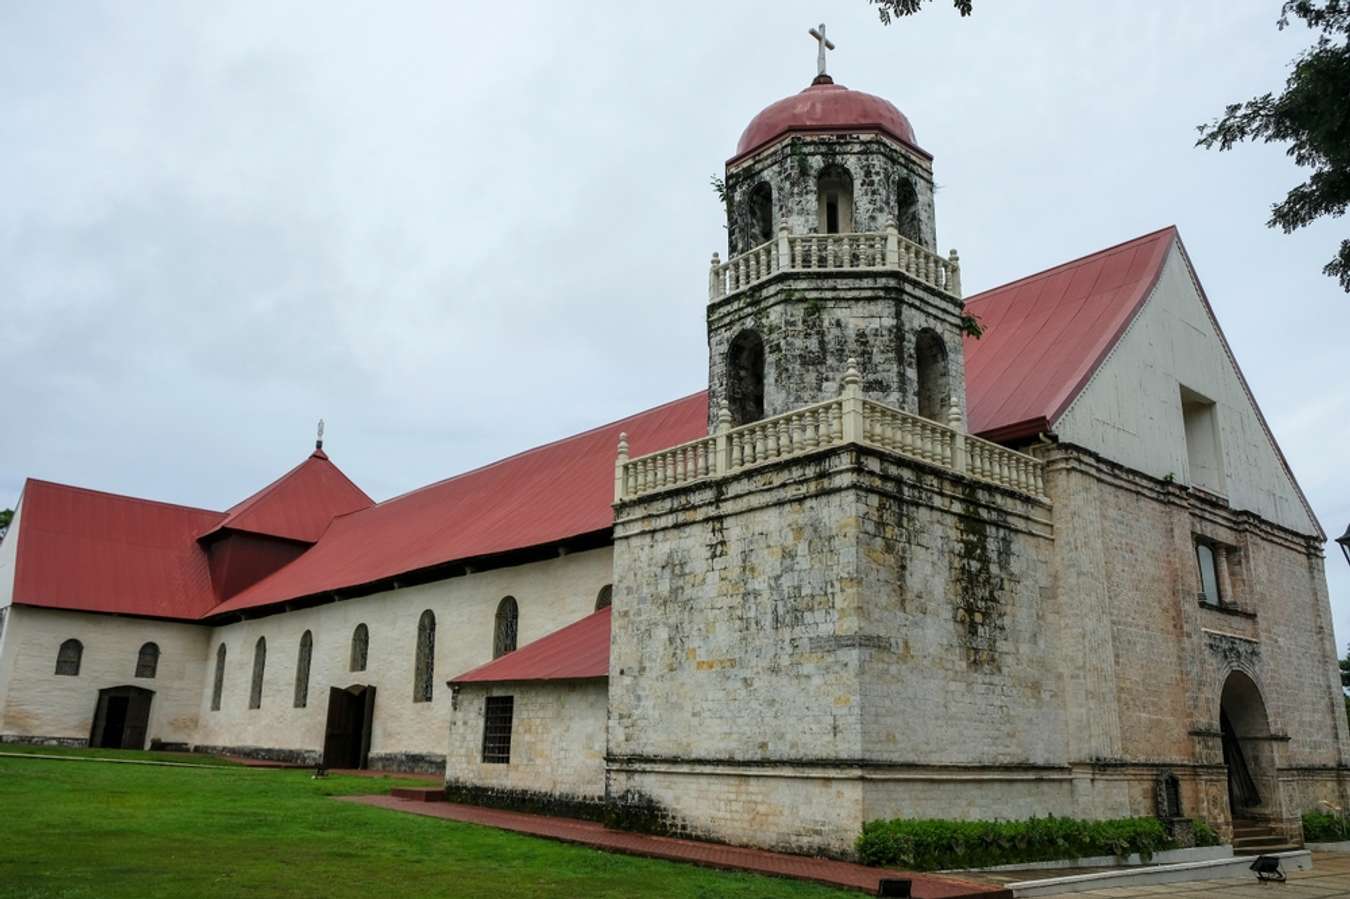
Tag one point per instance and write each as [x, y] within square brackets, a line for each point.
[828, 610]
[832, 254]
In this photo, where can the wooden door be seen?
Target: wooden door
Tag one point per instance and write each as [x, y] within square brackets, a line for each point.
[137, 720]
[343, 710]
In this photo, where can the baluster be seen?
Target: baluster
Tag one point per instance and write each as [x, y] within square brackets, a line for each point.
[761, 445]
[797, 253]
[836, 423]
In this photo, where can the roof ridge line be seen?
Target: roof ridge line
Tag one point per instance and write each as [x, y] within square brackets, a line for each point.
[525, 452]
[126, 496]
[1071, 262]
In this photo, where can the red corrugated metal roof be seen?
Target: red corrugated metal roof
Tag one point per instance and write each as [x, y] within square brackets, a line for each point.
[560, 490]
[576, 652]
[1045, 335]
[99, 552]
[299, 504]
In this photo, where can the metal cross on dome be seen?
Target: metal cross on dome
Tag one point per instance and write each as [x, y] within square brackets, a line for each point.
[824, 44]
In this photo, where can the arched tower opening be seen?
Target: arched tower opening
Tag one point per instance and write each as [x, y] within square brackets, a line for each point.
[759, 213]
[907, 219]
[745, 377]
[931, 377]
[834, 192]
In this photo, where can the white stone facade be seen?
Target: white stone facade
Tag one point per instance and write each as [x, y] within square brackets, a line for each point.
[38, 704]
[549, 594]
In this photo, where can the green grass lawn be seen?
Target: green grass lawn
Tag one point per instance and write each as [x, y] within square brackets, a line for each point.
[138, 755]
[93, 829]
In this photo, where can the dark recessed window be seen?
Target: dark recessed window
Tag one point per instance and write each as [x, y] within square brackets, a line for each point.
[219, 685]
[68, 658]
[302, 660]
[1209, 574]
[497, 712]
[360, 648]
[506, 627]
[147, 660]
[424, 665]
[259, 666]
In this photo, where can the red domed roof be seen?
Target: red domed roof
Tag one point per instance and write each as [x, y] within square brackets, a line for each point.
[825, 107]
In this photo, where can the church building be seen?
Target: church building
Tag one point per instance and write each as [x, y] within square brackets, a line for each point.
[910, 554]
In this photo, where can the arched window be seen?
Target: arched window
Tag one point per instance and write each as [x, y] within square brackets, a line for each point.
[68, 658]
[907, 210]
[147, 660]
[834, 191]
[259, 665]
[605, 597]
[425, 667]
[745, 377]
[504, 633]
[219, 685]
[360, 648]
[759, 207]
[930, 361]
[302, 670]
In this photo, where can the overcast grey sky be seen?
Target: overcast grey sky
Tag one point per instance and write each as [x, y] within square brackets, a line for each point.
[459, 230]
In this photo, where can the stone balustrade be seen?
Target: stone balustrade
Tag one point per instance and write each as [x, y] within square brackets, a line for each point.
[836, 422]
[879, 251]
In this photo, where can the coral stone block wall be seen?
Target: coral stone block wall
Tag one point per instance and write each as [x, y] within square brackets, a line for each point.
[812, 324]
[785, 638]
[557, 758]
[1153, 660]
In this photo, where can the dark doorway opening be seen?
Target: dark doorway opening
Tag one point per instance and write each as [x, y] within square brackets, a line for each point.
[1248, 750]
[346, 741]
[121, 718]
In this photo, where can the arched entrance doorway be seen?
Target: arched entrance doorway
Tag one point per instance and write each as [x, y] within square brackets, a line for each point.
[346, 739]
[1248, 751]
[121, 718]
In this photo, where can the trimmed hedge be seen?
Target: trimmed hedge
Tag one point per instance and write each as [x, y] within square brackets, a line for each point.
[928, 845]
[1325, 827]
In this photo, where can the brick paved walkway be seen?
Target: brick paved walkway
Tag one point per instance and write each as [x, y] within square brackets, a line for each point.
[713, 855]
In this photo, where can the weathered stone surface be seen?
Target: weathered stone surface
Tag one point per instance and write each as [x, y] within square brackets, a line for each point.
[780, 633]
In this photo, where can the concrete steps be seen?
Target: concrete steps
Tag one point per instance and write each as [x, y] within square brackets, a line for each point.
[1259, 838]
[419, 794]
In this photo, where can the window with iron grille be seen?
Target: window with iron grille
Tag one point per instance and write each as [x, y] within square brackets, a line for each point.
[497, 713]
[507, 626]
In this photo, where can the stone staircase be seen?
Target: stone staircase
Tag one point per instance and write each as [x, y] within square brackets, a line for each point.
[1255, 837]
[419, 794]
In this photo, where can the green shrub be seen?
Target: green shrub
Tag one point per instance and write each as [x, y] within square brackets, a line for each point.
[927, 845]
[1325, 827]
[1204, 834]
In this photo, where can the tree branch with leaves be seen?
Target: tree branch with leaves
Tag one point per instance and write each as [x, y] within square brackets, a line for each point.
[1312, 116]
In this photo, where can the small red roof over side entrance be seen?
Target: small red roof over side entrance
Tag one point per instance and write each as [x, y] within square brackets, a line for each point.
[299, 504]
[100, 552]
[550, 493]
[1045, 335]
[576, 652]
